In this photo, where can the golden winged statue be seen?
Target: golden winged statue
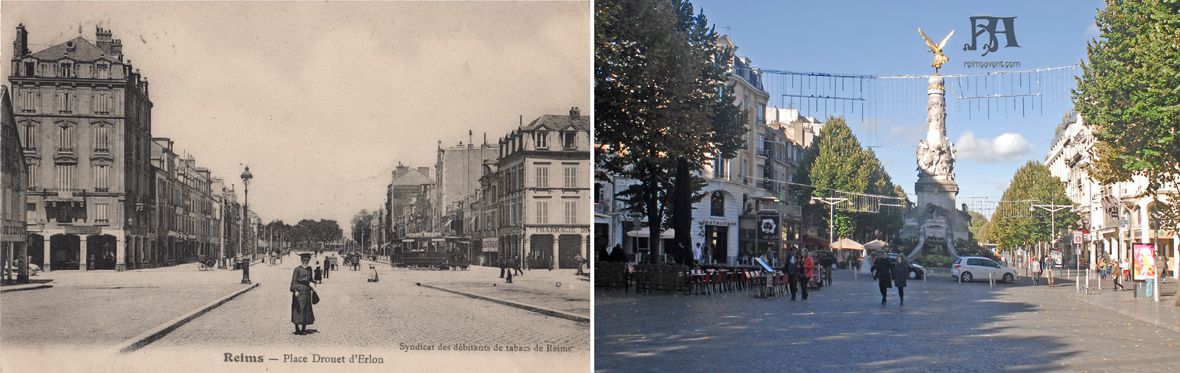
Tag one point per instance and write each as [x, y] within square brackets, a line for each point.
[939, 58]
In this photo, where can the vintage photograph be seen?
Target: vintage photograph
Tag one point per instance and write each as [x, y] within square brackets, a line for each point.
[865, 186]
[296, 186]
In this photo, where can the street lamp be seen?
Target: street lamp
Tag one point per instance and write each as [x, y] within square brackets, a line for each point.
[1052, 209]
[831, 202]
[246, 176]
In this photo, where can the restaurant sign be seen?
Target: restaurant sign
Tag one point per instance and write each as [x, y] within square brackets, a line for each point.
[768, 226]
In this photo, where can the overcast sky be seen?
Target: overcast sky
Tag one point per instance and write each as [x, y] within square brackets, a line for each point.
[322, 100]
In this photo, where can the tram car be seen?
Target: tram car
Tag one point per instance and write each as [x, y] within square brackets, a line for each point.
[431, 252]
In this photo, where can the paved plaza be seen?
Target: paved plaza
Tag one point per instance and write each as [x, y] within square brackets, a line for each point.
[101, 309]
[944, 326]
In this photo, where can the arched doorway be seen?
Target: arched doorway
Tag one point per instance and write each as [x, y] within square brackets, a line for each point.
[100, 250]
[36, 245]
[569, 246]
[64, 251]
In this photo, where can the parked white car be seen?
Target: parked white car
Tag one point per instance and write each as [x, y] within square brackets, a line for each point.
[967, 268]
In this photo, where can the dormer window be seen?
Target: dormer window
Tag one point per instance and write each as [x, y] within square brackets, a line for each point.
[542, 140]
[103, 71]
[65, 69]
[569, 140]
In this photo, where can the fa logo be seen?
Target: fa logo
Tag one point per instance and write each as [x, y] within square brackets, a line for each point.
[989, 25]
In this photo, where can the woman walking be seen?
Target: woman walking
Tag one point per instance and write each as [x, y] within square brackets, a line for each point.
[319, 273]
[901, 272]
[301, 294]
[883, 272]
[1116, 272]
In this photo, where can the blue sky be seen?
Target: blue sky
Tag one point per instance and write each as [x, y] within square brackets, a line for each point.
[881, 38]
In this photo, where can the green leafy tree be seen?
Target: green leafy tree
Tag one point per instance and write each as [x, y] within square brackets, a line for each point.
[838, 162]
[1014, 225]
[978, 227]
[1130, 90]
[659, 82]
[362, 229]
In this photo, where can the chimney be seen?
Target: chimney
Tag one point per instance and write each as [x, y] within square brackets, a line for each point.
[574, 114]
[117, 49]
[102, 38]
[20, 46]
[425, 171]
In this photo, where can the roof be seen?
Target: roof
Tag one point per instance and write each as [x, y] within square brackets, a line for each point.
[412, 178]
[83, 50]
[559, 122]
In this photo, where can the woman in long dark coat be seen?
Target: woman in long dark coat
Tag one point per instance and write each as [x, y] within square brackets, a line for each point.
[301, 312]
[901, 272]
[883, 272]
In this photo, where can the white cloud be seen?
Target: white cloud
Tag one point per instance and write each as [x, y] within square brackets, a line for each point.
[1005, 147]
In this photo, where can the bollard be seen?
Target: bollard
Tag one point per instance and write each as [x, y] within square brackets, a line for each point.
[990, 281]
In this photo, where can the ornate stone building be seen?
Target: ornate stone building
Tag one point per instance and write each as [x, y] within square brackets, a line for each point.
[84, 115]
[540, 186]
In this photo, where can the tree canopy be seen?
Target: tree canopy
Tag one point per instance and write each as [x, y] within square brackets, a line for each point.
[1130, 91]
[1013, 225]
[661, 103]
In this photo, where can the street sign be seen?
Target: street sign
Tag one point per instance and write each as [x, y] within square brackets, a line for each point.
[1077, 237]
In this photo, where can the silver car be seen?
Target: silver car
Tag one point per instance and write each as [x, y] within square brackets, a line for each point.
[967, 268]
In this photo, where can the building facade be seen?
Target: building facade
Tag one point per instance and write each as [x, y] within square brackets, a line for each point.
[13, 173]
[1114, 216]
[540, 191]
[456, 177]
[85, 121]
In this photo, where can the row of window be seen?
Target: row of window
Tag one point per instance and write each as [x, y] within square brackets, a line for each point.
[66, 134]
[69, 212]
[65, 178]
[570, 212]
[568, 141]
[66, 69]
[65, 101]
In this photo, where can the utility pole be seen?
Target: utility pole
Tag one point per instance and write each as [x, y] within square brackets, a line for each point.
[831, 202]
[1052, 209]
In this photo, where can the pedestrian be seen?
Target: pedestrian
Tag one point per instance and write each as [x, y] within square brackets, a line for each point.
[372, 273]
[1034, 267]
[791, 267]
[301, 295]
[1116, 272]
[503, 266]
[516, 266]
[809, 269]
[319, 273]
[327, 268]
[801, 275]
[901, 271]
[1048, 270]
[883, 272]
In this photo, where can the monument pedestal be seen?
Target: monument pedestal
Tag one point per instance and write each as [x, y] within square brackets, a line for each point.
[936, 213]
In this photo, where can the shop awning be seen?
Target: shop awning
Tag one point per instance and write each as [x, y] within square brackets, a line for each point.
[642, 233]
[847, 244]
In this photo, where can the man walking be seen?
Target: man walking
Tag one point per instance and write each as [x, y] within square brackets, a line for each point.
[883, 272]
[1034, 268]
[1048, 269]
[791, 267]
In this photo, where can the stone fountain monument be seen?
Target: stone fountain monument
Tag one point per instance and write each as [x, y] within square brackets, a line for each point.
[935, 215]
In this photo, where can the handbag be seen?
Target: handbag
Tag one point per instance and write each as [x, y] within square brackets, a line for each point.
[315, 297]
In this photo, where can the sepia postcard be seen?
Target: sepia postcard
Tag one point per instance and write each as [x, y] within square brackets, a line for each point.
[296, 186]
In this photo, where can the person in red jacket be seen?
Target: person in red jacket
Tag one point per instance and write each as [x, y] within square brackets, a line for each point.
[808, 267]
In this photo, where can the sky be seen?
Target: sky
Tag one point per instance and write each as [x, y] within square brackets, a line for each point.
[323, 100]
[881, 38]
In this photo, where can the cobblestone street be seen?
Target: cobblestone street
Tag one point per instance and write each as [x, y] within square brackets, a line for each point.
[107, 307]
[378, 316]
[944, 324]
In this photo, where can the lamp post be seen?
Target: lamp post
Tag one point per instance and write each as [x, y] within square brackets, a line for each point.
[831, 202]
[246, 176]
[1052, 209]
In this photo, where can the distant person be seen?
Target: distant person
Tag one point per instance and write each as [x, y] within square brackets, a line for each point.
[791, 265]
[1047, 269]
[901, 271]
[1034, 269]
[808, 269]
[1116, 272]
[883, 272]
[319, 273]
[301, 295]
[372, 273]
[327, 268]
[516, 266]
